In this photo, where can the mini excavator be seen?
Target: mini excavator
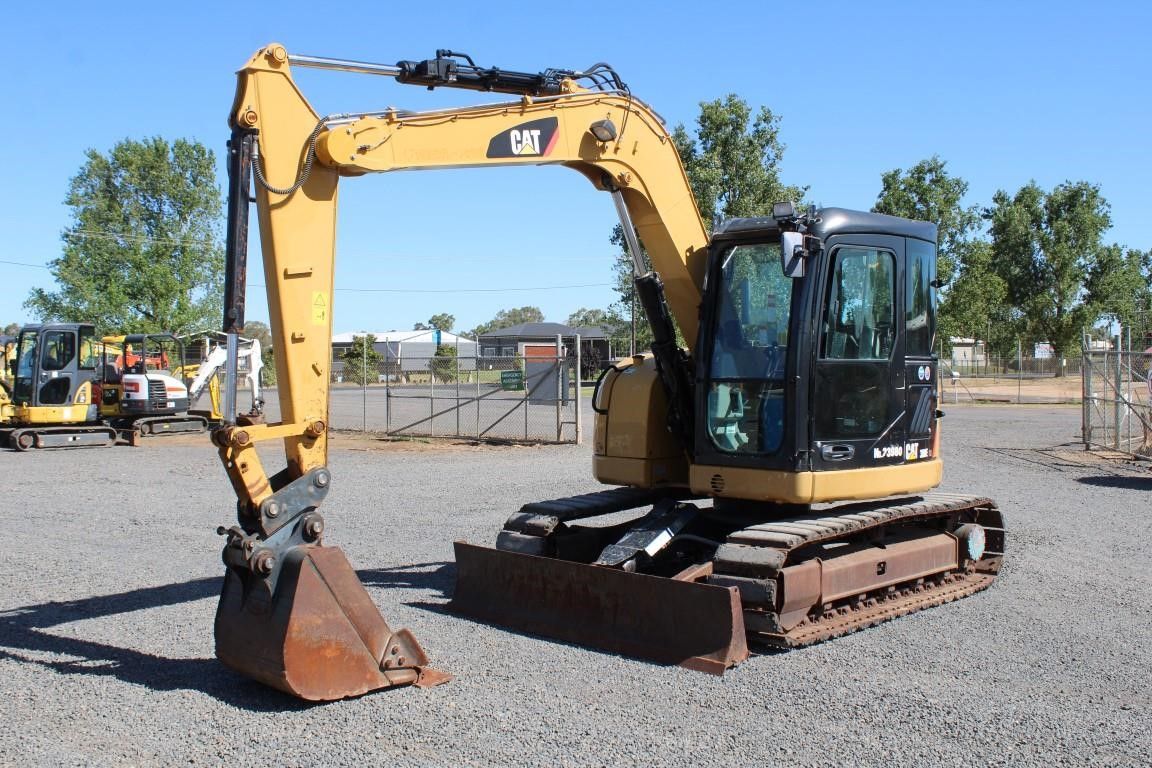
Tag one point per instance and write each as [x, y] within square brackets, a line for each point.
[71, 389]
[777, 472]
[53, 401]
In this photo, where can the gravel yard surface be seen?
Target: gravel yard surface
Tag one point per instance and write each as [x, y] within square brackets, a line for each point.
[111, 569]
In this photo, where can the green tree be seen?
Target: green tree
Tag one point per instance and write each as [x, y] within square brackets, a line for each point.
[11, 329]
[733, 162]
[927, 192]
[589, 318]
[1046, 246]
[443, 365]
[361, 360]
[976, 305]
[616, 328]
[630, 332]
[1121, 280]
[442, 322]
[506, 318]
[143, 253]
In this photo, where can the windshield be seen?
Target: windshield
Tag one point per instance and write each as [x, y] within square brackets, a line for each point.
[749, 350]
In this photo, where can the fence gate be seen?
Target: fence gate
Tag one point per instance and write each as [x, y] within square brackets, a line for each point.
[1116, 391]
[531, 399]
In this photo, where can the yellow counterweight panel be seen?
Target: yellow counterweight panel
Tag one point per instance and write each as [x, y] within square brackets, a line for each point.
[632, 443]
[813, 487]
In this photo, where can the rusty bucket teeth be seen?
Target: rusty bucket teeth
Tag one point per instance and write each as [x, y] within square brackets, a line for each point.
[318, 635]
[699, 626]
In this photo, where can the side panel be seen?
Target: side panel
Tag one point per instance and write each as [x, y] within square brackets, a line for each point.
[921, 369]
[632, 443]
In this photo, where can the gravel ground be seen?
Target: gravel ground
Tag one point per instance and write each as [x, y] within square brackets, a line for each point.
[109, 579]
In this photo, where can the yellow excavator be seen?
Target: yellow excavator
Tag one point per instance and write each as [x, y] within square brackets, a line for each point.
[777, 470]
[53, 400]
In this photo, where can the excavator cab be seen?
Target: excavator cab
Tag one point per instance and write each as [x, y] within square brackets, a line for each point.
[50, 370]
[810, 433]
[823, 373]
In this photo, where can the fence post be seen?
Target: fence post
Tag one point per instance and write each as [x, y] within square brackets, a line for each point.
[576, 400]
[559, 384]
[364, 385]
[1128, 388]
[1119, 370]
[1086, 399]
[457, 356]
[1019, 370]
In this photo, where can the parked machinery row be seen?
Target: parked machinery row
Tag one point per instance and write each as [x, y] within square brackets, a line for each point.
[65, 387]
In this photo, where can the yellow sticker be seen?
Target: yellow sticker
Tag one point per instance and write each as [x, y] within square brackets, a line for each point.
[319, 308]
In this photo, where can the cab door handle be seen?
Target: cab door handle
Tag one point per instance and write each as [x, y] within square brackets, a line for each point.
[837, 452]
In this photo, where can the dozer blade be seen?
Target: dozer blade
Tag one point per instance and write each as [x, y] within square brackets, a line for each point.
[695, 625]
[317, 635]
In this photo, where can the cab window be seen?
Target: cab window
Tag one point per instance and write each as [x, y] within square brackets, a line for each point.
[57, 350]
[860, 324]
[920, 314]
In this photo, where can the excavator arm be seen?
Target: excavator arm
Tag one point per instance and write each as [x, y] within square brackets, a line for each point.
[293, 613]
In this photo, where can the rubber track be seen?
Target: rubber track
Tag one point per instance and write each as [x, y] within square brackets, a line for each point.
[788, 535]
[846, 620]
[798, 531]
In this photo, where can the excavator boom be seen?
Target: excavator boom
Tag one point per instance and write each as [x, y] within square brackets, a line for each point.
[286, 598]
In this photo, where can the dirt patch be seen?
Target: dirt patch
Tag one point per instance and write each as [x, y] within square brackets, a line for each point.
[374, 441]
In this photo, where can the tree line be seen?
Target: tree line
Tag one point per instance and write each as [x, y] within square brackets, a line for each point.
[144, 251]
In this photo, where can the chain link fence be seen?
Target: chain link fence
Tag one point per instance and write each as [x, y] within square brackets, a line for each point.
[1010, 367]
[1020, 380]
[534, 399]
[1117, 401]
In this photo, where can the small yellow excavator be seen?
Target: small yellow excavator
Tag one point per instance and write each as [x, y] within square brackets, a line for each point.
[776, 471]
[52, 402]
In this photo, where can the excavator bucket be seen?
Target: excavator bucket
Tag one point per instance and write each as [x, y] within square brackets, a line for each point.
[316, 634]
[666, 620]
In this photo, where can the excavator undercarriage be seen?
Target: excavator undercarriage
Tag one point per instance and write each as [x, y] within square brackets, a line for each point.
[686, 584]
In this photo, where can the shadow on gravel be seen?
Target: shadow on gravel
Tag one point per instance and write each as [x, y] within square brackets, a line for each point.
[1127, 482]
[438, 576]
[25, 637]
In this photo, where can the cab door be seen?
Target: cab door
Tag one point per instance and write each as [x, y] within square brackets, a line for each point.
[858, 393]
[56, 379]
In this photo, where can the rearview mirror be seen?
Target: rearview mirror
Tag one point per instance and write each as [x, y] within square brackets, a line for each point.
[792, 254]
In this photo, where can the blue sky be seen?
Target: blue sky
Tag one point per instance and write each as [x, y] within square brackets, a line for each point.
[1004, 92]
